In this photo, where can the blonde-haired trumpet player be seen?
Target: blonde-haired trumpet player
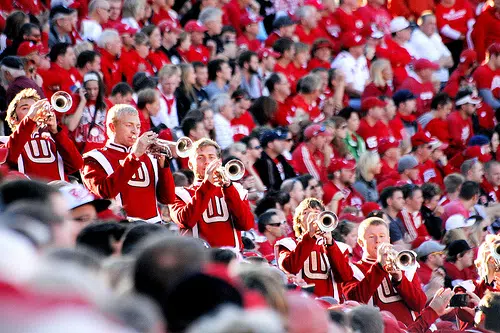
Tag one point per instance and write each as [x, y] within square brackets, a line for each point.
[488, 266]
[125, 169]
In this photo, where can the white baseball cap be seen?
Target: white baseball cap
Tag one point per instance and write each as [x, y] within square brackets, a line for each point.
[398, 23]
[76, 195]
[458, 221]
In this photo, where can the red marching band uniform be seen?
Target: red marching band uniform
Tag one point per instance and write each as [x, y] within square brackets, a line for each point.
[136, 183]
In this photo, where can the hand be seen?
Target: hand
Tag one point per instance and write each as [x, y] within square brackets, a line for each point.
[235, 81]
[38, 110]
[312, 226]
[51, 122]
[210, 172]
[474, 300]
[441, 300]
[211, 45]
[327, 236]
[82, 93]
[439, 210]
[142, 144]
[161, 160]
[338, 196]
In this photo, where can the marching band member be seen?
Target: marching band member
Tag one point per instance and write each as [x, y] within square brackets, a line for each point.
[126, 171]
[213, 207]
[316, 256]
[488, 266]
[37, 146]
[378, 282]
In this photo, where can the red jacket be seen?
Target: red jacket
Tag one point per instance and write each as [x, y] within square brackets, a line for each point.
[215, 214]
[157, 59]
[439, 129]
[411, 8]
[373, 285]
[111, 70]
[372, 134]
[371, 90]
[349, 22]
[41, 154]
[249, 44]
[273, 37]
[242, 126]
[379, 17]
[283, 115]
[486, 31]
[460, 130]
[197, 53]
[234, 13]
[325, 266]
[309, 37]
[430, 173]
[305, 162]
[298, 102]
[415, 227]
[453, 20]
[424, 91]
[113, 172]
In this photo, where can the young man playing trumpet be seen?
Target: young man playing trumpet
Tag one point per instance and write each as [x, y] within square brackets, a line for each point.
[316, 257]
[488, 266]
[213, 207]
[125, 170]
[379, 281]
[38, 147]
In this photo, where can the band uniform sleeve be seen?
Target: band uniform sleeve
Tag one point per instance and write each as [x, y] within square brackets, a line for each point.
[341, 269]
[362, 290]
[71, 157]
[424, 321]
[239, 208]
[412, 293]
[187, 215]
[292, 261]
[19, 138]
[166, 186]
[108, 186]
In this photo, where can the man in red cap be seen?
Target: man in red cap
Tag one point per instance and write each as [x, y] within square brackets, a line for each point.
[339, 192]
[250, 28]
[168, 51]
[127, 34]
[308, 157]
[267, 58]
[307, 30]
[423, 147]
[485, 30]
[35, 56]
[390, 153]
[460, 121]
[371, 129]
[353, 63]
[467, 64]
[487, 77]
[197, 51]
[421, 86]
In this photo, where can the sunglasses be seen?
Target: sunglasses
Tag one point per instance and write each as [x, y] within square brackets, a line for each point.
[256, 147]
[277, 224]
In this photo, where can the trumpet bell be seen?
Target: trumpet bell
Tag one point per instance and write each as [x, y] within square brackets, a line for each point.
[234, 170]
[406, 260]
[183, 147]
[495, 251]
[61, 101]
[327, 221]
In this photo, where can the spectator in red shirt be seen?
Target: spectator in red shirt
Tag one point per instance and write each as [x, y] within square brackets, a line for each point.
[421, 85]
[371, 129]
[267, 58]
[136, 61]
[431, 259]
[156, 57]
[242, 124]
[375, 13]
[162, 10]
[304, 106]
[321, 53]
[467, 64]
[279, 90]
[411, 9]
[286, 47]
[486, 30]
[434, 121]
[308, 157]
[487, 77]
[110, 46]
[250, 28]
[467, 198]
[380, 79]
[339, 192]
[390, 153]
[283, 26]
[127, 34]
[307, 30]
[235, 10]
[272, 228]
[394, 49]
[404, 125]
[459, 258]
[348, 19]
[197, 51]
[460, 121]
[298, 66]
[148, 104]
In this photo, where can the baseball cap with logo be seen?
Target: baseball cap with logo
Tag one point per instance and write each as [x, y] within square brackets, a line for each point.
[314, 3]
[316, 130]
[477, 152]
[76, 196]
[194, 26]
[267, 52]
[494, 48]
[421, 138]
[125, 29]
[422, 64]
[466, 96]
[384, 144]
[271, 135]
[372, 102]
[248, 19]
[352, 39]
[436, 144]
[398, 23]
[169, 26]
[468, 57]
[341, 163]
[26, 48]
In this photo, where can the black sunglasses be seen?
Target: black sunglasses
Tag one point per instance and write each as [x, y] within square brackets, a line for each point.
[277, 224]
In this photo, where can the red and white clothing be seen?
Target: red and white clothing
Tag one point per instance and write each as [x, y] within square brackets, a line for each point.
[325, 266]
[113, 172]
[372, 134]
[355, 69]
[351, 197]
[486, 31]
[168, 111]
[157, 59]
[349, 22]
[378, 16]
[330, 28]
[165, 14]
[41, 154]
[424, 91]
[417, 231]
[57, 78]
[110, 69]
[283, 115]
[460, 129]
[199, 53]
[246, 43]
[299, 104]
[132, 63]
[489, 79]
[430, 173]
[398, 56]
[215, 214]
[452, 208]
[308, 37]
[242, 126]
[306, 162]
[454, 21]
[493, 192]
[91, 131]
[372, 285]
[439, 128]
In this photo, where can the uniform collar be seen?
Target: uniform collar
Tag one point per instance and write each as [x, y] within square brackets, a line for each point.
[115, 146]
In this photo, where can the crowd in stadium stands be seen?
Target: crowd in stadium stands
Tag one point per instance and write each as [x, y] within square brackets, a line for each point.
[226, 166]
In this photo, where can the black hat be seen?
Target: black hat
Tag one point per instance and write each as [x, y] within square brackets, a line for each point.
[457, 247]
[402, 96]
[60, 11]
[283, 21]
[271, 135]
[12, 62]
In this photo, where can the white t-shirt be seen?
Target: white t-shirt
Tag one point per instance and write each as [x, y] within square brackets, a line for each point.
[355, 70]
[91, 30]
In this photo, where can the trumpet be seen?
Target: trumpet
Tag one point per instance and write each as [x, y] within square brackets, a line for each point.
[327, 221]
[61, 101]
[183, 147]
[234, 170]
[403, 260]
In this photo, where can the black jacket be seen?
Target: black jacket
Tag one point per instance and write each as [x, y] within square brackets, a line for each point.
[433, 224]
[268, 171]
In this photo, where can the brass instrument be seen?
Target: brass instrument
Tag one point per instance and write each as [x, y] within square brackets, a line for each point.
[61, 101]
[234, 170]
[327, 221]
[183, 147]
[403, 260]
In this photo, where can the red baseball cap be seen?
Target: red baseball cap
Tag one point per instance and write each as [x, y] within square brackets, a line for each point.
[437, 144]
[125, 29]
[194, 26]
[372, 102]
[477, 152]
[169, 26]
[314, 3]
[422, 64]
[468, 57]
[341, 163]
[267, 52]
[352, 39]
[316, 130]
[421, 138]
[494, 48]
[369, 207]
[385, 144]
[26, 48]
[248, 19]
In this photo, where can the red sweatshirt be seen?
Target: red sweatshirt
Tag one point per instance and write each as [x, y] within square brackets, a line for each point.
[424, 91]
[486, 31]
[351, 197]
[113, 172]
[452, 21]
[312, 260]
[215, 214]
[307, 162]
[373, 285]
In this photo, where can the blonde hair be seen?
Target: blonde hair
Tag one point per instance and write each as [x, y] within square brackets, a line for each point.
[205, 142]
[11, 117]
[376, 72]
[367, 161]
[453, 235]
[298, 217]
[168, 71]
[371, 221]
[483, 254]
[116, 112]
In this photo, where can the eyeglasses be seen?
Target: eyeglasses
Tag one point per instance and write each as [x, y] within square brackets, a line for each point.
[277, 224]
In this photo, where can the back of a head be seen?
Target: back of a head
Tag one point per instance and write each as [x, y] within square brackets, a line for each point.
[222, 255]
[365, 319]
[490, 307]
[24, 189]
[99, 236]
[134, 236]
[468, 190]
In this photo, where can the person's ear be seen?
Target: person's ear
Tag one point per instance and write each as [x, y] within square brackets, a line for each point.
[112, 127]
[190, 164]
[361, 242]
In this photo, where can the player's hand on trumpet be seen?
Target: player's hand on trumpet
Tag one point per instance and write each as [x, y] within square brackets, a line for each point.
[385, 257]
[142, 144]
